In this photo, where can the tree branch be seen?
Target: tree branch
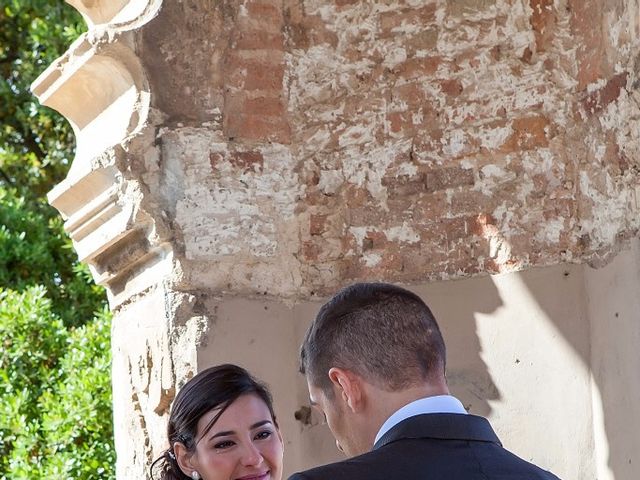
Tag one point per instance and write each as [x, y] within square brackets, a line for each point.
[32, 145]
[9, 59]
[6, 177]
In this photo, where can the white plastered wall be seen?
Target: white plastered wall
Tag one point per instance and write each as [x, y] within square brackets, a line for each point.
[614, 310]
[540, 353]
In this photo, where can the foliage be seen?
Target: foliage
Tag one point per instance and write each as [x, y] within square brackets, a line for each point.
[35, 250]
[55, 392]
[77, 418]
[36, 144]
[33, 341]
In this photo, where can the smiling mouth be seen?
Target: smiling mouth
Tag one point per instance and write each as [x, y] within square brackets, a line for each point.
[256, 476]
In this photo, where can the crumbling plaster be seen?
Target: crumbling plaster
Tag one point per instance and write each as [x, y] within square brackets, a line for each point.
[424, 140]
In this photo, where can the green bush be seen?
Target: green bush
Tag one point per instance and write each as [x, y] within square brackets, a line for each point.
[77, 419]
[55, 390]
[33, 341]
[34, 250]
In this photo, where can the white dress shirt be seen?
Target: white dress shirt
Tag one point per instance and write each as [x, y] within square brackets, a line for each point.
[437, 404]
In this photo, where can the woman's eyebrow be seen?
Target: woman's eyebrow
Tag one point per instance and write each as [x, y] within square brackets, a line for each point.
[222, 434]
[259, 424]
[231, 432]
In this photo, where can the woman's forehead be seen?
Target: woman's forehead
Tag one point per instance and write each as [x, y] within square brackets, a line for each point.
[241, 414]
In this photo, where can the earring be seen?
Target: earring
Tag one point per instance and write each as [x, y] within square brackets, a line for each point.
[195, 475]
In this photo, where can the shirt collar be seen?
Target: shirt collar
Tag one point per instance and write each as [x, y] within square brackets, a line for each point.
[436, 404]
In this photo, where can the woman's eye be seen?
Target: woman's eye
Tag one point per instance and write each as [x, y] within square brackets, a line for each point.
[223, 445]
[263, 435]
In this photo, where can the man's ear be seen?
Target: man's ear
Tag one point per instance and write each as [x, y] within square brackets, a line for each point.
[349, 386]
[184, 459]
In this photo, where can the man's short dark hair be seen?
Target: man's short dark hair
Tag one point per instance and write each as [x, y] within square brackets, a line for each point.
[382, 332]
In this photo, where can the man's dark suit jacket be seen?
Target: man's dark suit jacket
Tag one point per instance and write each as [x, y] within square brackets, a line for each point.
[435, 446]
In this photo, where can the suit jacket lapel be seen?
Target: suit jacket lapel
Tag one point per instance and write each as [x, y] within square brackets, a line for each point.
[442, 426]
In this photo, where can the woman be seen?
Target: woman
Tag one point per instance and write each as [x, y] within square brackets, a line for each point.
[222, 427]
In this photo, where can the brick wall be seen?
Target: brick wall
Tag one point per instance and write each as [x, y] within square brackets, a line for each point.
[397, 139]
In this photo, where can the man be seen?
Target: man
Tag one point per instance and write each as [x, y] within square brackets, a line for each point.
[374, 359]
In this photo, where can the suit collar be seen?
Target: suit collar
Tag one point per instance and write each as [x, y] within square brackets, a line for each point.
[441, 426]
[431, 404]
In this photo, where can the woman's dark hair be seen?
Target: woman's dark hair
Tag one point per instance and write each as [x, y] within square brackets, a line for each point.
[214, 388]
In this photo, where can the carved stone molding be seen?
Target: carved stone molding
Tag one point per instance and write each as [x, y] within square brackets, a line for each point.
[100, 86]
[119, 14]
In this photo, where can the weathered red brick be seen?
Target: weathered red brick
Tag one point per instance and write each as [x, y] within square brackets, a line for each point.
[267, 12]
[540, 184]
[542, 20]
[560, 208]
[259, 40]
[317, 224]
[426, 40]
[413, 257]
[528, 133]
[448, 177]
[472, 202]
[454, 228]
[428, 207]
[264, 105]
[257, 128]
[356, 104]
[463, 266]
[417, 67]
[429, 113]
[260, 76]
[409, 93]
[215, 158]
[400, 121]
[592, 60]
[405, 185]
[597, 101]
[310, 251]
[375, 240]
[480, 224]
[356, 196]
[461, 8]
[409, 16]
[367, 215]
[303, 31]
[247, 160]
[391, 262]
[346, 3]
[451, 87]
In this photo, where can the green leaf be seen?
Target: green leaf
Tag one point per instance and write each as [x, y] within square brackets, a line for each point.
[54, 423]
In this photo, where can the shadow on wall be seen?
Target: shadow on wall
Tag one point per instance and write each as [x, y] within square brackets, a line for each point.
[455, 310]
[609, 307]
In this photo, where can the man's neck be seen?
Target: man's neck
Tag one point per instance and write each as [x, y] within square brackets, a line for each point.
[383, 403]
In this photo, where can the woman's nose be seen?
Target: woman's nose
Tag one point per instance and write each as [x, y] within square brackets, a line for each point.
[251, 456]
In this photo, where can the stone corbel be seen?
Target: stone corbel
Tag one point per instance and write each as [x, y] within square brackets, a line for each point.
[116, 14]
[100, 87]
